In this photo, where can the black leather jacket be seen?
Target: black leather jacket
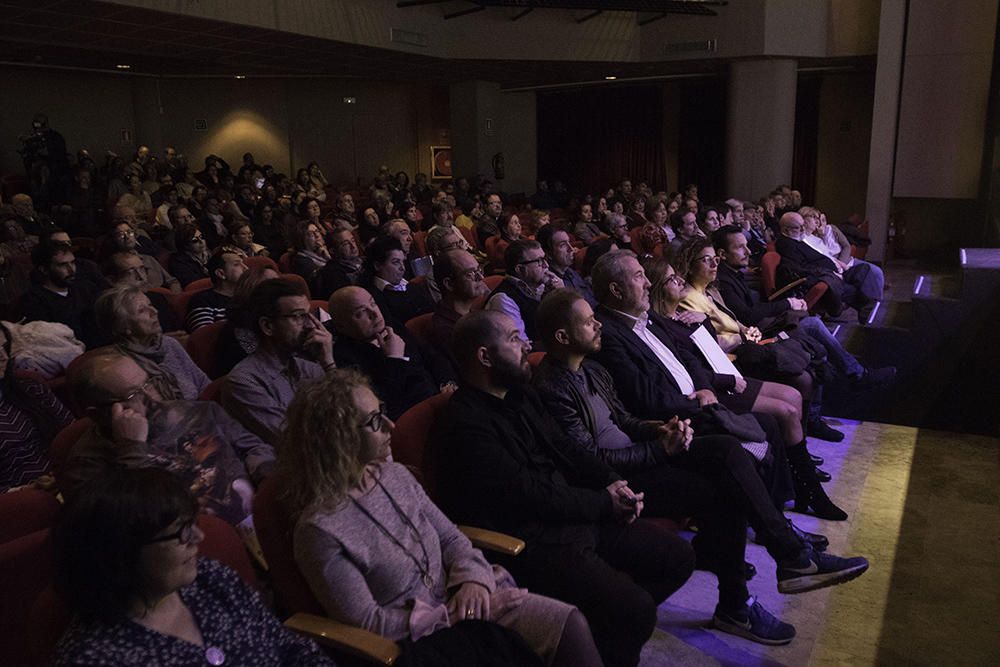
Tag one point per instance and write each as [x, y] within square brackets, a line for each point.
[564, 401]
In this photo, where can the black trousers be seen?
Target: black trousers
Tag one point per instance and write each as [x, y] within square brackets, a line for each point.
[617, 580]
[717, 482]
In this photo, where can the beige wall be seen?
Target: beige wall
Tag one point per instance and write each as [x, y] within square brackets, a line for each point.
[942, 112]
[284, 122]
[101, 108]
[845, 123]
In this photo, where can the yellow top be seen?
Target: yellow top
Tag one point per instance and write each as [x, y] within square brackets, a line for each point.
[728, 329]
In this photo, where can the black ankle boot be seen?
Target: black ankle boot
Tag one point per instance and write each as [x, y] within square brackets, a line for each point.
[810, 498]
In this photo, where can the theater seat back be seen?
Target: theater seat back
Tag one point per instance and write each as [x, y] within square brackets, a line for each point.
[411, 439]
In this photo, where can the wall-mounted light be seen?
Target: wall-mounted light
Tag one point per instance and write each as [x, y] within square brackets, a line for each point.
[123, 66]
[350, 100]
[610, 78]
[241, 76]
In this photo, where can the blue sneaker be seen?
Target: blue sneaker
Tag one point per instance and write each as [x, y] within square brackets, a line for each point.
[754, 623]
[814, 569]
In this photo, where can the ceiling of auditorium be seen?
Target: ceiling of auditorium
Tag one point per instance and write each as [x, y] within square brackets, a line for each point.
[99, 35]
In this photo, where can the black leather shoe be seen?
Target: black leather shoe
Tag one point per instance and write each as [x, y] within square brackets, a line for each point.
[874, 378]
[815, 540]
[817, 460]
[823, 475]
[818, 428]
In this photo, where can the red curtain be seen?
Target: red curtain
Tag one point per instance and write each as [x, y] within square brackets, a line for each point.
[591, 139]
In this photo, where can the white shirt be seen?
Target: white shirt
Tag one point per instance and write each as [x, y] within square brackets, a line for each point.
[382, 285]
[662, 352]
[817, 244]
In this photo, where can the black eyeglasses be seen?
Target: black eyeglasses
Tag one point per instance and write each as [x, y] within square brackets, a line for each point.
[376, 421]
[539, 260]
[184, 534]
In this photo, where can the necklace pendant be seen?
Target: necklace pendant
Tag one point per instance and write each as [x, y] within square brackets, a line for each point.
[214, 656]
[428, 581]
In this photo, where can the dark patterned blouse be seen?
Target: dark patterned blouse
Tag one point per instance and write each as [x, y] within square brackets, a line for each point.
[236, 626]
[25, 435]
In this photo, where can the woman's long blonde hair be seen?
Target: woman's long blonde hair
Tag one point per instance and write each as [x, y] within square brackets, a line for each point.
[319, 458]
[656, 270]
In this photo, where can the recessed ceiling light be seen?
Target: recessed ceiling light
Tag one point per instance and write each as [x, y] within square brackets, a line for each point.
[123, 66]
[610, 78]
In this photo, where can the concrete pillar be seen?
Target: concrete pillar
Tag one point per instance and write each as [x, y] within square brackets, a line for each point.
[882, 156]
[760, 126]
[486, 121]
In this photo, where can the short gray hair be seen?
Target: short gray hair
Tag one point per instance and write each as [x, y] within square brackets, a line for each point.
[110, 311]
[610, 268]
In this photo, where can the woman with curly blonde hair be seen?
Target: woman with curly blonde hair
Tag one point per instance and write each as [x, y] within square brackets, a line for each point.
[377, 553]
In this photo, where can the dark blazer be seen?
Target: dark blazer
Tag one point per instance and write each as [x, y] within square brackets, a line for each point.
[563, 399]
[800, 258]
[643, 383]
[502, 464]
[745, 303]
[400, 383]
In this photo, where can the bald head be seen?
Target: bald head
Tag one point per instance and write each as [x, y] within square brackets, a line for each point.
[792, 225]
[479, 328]
[355, 314]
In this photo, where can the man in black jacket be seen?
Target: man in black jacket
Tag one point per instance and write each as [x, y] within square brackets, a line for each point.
[390, 358]
[798, 257]
[770, 316]
[657, 379]
[672, 468]
[504, 465]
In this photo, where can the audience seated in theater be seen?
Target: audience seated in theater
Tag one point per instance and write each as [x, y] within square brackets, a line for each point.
[685, 226]
[368, 225]
[212, 222]
[239, 333]
[519, 293]
[636, 212]
[241, 237]
[441, 216]
[136, 198]
[756, 233]
[361, 519]
[87, 269]
[789, 315]
[304, 184]
[125, 267]
[410, 214]
[292, 347]
[346, 267]
[698, 264]
[585, 230]
[471, 209]
[400, 230]
[542, 197]
[488, 223]
[30, 417]
[390, 357]
[618, 230]
[398, 299]
[660, 217]
[126, 562]
[145, 244]
[660, 379]
[503, 464]
[648, 241]
[311, 253]
[539, 218]
[32, 222]
[709, 220]
[136, 427]
[266, 229]
[854, 287]
[345, 214]
[461, 280]
[58, 296]
[559, 253]
[711, 478]
[16, 241]
[225, 267]
[316, 176]
[125, 315]
[830, 241]
[123, 238]
[190, 261]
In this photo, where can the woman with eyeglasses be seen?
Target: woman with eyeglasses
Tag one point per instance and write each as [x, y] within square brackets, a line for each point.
[377, 553]
[126, 552]
[190, 262]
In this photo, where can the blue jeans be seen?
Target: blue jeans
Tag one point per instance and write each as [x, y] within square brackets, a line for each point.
[866, 278]
[841, 359]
